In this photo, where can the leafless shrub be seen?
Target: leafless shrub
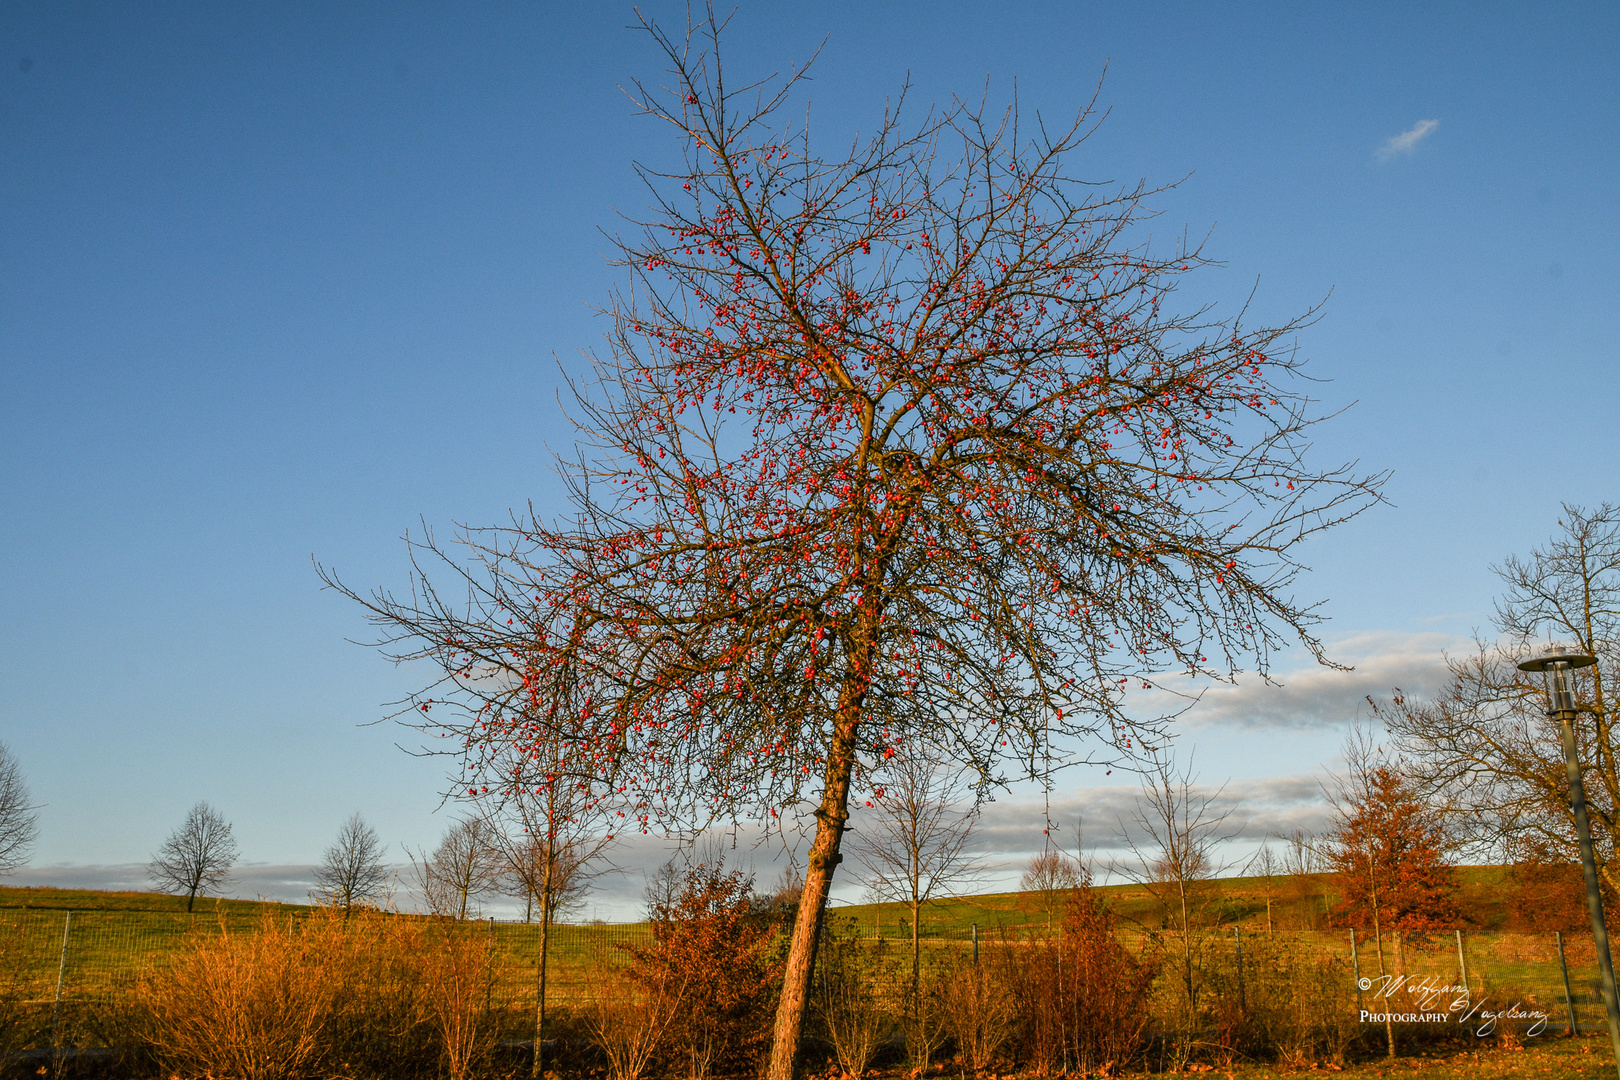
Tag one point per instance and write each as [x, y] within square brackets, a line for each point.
[848, 997]
[628, 1025]
[251, 1005]
[977, 1011]
[459, 979]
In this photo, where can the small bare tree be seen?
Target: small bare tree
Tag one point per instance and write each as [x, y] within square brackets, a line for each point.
[462, 870]
[913, 843]
[1266, 865]
[351, 870]
[1181, 828]
[197, 857]
[1049, 875]
[565, 833]
[19, 818]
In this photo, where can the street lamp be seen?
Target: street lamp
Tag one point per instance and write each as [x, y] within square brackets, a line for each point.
[1557, 665]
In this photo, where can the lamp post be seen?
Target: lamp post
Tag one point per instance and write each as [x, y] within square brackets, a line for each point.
[1556, 664]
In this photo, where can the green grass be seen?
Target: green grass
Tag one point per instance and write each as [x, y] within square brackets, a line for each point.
[116, 934]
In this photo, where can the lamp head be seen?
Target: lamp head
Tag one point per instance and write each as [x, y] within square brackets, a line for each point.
[1555, 663]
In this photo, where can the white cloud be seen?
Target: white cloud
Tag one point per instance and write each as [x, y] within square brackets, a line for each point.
[1317, 698]
[1406, 142]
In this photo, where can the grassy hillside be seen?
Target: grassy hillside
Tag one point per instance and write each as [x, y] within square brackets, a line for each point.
[45, 898]
[1236, 901]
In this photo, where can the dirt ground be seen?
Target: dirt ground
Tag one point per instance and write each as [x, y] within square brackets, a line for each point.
[1540, 1059]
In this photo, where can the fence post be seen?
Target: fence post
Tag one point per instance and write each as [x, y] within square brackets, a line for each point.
[56, 1009]
[1569, 1000]
[975, 944]
[1462, 965]
[1237, 936]
[1355, 968]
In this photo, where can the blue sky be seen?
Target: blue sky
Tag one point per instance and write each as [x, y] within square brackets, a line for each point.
[280, 282]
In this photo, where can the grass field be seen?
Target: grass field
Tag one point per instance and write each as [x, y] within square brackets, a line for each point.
[115, 935]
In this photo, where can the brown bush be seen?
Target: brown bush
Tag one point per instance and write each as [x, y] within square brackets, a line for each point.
[250, 1006]
[1288, 1004]
[629, 1024]
[458, 981]
[848, 996]
[1546, 894]
[711, 941]
[1081, 997]
[366, 995]
[977, 1013]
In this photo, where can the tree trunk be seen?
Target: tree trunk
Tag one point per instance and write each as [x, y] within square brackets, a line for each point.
[824, 857]
[540, 993]
[916, 959]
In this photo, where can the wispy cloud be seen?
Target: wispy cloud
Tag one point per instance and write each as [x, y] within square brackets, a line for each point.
[1318, 698]
[1406, 142]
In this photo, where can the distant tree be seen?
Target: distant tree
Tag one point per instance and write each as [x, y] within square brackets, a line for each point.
[463, 869]
[912, 842]
[351, 870]
[1301, 865]
[1389, 849]
[19, 818]
[197, 857]
[1050, 875]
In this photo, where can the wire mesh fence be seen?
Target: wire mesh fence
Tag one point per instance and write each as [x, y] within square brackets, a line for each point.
[66, 978]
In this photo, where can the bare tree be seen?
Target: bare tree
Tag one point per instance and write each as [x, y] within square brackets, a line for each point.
[901, 447]
[197, 857]
[19, 818]
[463, 869]
[351, 870]
[564, 828]
[1181, 828]
[1049, 875]
[1266, 865]
[1484, 745]
[912, 843]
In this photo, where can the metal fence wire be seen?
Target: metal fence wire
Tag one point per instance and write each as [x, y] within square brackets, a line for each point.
[66, 978]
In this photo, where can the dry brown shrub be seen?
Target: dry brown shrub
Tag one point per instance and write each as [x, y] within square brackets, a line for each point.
[248, 1006]
[712, 940]
[848, 998]
[459, 977]
[1081, 997]
[1506, 1013]
[1289, 1004]
[628, 1024]
[368, 994]
[977, 1012]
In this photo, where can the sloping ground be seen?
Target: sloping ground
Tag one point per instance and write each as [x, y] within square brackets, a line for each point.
[1295, 904]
